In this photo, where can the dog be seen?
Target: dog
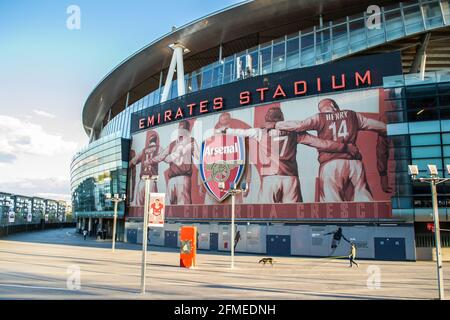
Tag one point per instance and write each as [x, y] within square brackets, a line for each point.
[266, 260]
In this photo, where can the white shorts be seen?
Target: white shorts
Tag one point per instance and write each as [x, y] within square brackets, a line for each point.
[179, 189]
[343, 180]
[280, 189]
[140, 191]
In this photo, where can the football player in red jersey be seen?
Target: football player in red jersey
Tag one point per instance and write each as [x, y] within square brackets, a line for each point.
[180, 155]
[148, 168]
[341, 175]
[278, 151]
[156, 207]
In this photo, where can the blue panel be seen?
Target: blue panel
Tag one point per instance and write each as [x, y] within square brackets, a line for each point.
[397, 128]
[171, 239]
[278, 245]
[424, 126]
[214, 241]
[132, 235]
[390, 249]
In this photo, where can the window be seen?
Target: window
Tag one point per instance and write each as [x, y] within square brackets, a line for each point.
[266, 60]
[279, 59]
[292, 57]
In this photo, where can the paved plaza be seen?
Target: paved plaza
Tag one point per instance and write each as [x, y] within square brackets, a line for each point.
[38, 265]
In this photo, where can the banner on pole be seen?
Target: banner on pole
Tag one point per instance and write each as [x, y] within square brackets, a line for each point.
[156, 210]
[11, 217]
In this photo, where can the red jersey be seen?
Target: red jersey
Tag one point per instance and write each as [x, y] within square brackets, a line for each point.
[157, 210]
[278, 149]
[341, 126]
[148, 168]
[278, 153]
[183, 165]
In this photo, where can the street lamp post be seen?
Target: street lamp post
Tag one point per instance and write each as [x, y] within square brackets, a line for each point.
[116, 199]
[148, 180]
[234, 191]
[434, 180]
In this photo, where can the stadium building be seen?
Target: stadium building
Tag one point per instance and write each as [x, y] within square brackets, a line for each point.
[318, 106]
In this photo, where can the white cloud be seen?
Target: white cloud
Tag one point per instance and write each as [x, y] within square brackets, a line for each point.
[44, 114]
[19, 137]
[51, 188]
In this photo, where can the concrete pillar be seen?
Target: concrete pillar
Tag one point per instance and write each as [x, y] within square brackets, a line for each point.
[90, 226]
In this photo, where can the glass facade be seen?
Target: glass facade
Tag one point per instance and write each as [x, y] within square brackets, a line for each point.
[305, 48]
[419, 128]
[99, 169]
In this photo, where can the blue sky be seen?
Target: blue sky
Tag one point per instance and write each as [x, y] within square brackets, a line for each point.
[47, 71]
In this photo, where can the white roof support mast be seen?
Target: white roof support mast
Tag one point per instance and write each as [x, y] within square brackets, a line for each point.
[177, 61]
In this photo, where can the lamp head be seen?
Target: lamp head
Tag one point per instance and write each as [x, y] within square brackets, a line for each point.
[432, 169]
[413, 170]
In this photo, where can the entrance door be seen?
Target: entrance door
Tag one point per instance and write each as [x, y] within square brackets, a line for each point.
[390, 249]
[278, 245]
[213, 241]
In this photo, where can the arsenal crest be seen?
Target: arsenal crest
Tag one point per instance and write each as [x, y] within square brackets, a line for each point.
[222, 162]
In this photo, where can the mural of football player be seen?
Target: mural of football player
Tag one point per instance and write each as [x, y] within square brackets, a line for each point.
[226, 121]
[278, 151]
[181, 155]
[148, 167]
[342, 176]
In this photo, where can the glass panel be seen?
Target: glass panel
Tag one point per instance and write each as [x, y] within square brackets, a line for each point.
[433, 15]
[292, 57]
[394, 24]
[252, 64]
[426, 152]
[266, 60]
[425, 139]
[340, 40]
[307, 50]
[206, 79]
[446, 138]
[413, 19]
[424, 126]
[241, 63]
[446, 10]
[358, 39]
[217, 75]
[323, 45]
[279, 60]
[228, 71]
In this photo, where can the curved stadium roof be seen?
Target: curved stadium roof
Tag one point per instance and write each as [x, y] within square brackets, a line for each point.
[237, 27]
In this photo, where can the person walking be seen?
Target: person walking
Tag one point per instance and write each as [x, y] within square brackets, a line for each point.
[84, 234]
[352, 255]
[237, 237]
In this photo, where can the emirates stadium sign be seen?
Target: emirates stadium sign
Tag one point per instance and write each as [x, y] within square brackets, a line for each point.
[356, 73]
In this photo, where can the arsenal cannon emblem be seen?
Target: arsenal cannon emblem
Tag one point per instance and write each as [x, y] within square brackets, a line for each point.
[222, 163]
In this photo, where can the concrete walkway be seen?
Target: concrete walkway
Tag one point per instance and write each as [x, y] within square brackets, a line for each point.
[44, 265]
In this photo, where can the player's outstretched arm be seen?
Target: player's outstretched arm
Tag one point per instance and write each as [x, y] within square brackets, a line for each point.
[321, 144]
[255, 133]
[311, 123]
[162, 156]
[367, 124]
